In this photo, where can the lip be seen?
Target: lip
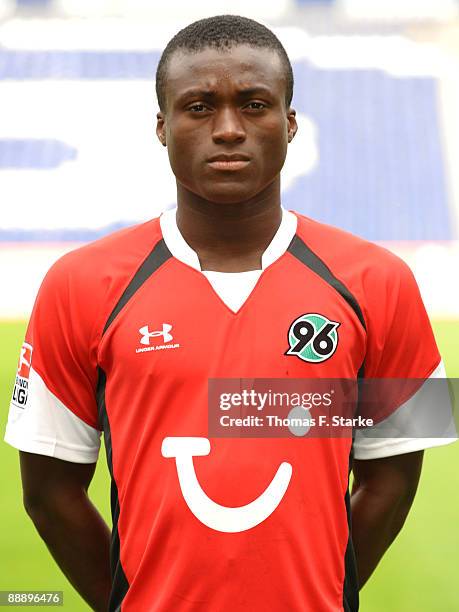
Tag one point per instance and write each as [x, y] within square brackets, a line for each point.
[229, 164]
[228, 161]
[229, 157]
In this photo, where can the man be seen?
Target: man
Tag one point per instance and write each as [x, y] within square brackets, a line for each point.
[127, 331]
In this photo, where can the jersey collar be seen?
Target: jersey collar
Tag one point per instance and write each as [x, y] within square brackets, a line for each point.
[181, 250]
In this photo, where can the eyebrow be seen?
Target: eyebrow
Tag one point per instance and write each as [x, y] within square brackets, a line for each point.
[197, 93]
[210, 93]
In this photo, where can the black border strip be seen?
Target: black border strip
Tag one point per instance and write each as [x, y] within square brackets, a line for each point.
[351, 580]
[120, 584]
[303, 253]
[155, 259]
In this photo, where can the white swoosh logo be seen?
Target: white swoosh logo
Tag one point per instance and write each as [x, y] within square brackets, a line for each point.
[215, 516]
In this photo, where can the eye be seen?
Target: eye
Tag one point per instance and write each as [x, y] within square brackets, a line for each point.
[197, 108]
[256, 106]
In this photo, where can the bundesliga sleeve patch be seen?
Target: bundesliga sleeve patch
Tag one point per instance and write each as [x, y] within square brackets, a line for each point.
[21, 385]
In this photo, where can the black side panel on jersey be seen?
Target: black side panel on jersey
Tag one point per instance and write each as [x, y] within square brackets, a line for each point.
[304, 254]
[351, 581]
[155, 259]
[120, 584]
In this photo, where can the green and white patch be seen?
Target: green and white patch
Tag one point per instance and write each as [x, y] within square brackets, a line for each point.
[313, 338]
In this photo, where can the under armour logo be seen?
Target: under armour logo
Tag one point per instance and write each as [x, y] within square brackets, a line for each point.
[147, 334]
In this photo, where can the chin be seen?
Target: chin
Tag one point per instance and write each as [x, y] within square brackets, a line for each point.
[234, 195]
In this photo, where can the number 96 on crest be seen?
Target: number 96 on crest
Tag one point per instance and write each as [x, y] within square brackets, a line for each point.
[313, 338]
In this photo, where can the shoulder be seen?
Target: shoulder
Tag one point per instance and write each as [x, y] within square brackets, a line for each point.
[84, 285]
[353, 257]
[400, 342]
[109, 256]
[378, 279]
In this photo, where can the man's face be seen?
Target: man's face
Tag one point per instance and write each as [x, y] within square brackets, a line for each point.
[226, 125]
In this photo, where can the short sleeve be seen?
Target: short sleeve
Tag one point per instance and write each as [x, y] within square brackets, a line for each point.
[401, 346]
[53, 409]
[400, 341]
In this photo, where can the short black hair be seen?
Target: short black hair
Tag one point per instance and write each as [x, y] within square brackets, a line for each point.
[222, 32]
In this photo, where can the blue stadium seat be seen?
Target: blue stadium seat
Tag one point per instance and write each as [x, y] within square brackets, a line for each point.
[39, 154]
[381, 172]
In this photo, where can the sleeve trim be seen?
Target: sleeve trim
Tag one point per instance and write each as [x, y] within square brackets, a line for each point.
[94, 425]
[52, 448]
[44, 425]
[404, 420]
[389, 448]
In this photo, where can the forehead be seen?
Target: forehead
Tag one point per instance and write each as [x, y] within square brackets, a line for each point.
[240, 65]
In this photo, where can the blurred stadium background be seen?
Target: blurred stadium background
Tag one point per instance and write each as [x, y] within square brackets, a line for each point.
[377, 152]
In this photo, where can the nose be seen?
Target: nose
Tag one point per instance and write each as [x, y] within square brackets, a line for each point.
[228, 127]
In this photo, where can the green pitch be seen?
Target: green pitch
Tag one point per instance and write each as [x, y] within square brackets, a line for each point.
[417, 574]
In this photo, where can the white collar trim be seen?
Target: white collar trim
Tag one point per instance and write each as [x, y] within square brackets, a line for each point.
[181, 250]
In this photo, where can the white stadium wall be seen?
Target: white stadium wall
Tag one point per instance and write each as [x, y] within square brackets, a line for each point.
[102, 166]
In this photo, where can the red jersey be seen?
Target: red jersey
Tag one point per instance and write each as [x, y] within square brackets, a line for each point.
[125, 337]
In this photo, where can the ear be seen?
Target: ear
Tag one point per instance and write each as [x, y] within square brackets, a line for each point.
[161, 128]
[292, 125]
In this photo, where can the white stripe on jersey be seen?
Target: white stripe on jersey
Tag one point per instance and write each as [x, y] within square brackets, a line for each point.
[45, 426]
[414, 413]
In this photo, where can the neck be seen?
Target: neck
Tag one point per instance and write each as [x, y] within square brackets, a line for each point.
[229, 237]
